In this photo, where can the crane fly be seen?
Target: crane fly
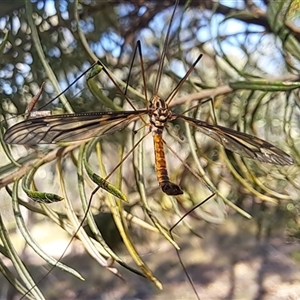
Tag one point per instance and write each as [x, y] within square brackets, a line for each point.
[81, 126]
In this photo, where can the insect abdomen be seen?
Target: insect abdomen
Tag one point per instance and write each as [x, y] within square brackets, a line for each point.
[166, 185]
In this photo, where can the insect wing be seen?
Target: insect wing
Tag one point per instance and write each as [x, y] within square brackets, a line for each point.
[242, 143]
[69, 127]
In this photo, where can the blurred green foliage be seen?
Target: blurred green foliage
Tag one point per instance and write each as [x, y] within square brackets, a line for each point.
[249, 73]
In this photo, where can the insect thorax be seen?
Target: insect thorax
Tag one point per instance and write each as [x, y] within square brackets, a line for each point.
[159, 114]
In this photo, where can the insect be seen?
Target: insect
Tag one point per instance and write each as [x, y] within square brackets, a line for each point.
[81, 126]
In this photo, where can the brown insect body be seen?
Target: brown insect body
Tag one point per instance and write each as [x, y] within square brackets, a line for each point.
[160, 114]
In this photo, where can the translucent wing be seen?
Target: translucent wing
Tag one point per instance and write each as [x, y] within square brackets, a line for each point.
[69, 127]
[241, 143]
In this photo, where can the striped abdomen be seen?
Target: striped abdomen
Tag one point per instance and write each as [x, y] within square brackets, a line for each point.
[166, 185]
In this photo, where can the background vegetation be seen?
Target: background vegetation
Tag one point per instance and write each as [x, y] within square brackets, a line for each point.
[250, 74]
